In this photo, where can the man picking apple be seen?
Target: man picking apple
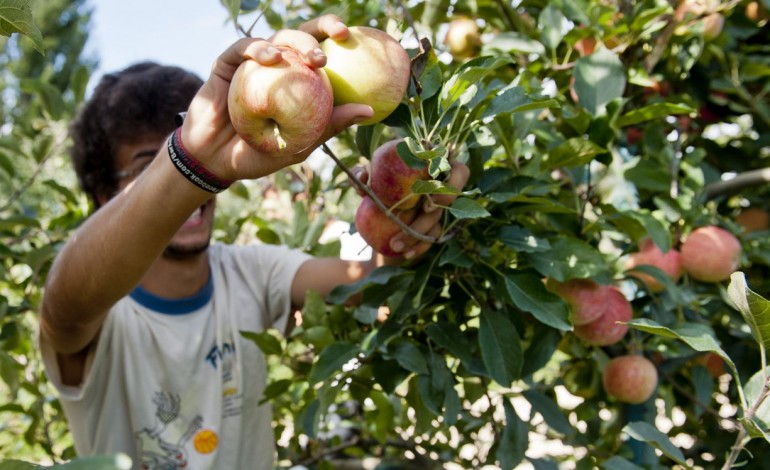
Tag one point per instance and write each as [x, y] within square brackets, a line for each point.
[141, 318]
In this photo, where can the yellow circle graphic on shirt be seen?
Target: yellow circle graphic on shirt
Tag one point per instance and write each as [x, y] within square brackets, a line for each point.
[205, 441]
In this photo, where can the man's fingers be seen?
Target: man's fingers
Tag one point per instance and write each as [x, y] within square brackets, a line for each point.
[305, 44]
[243, 49]
[345, 116]
[458, 177]
[326, 26]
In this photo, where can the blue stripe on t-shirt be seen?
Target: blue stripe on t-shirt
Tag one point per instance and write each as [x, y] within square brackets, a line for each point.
[174, 306]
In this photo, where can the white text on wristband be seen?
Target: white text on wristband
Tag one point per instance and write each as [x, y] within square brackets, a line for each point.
[191, 168]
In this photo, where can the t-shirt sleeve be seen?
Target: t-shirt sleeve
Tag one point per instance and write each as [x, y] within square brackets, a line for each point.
[269, 271]
[73, 393]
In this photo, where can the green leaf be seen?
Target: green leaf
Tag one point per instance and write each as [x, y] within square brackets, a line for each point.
[514, 42]
[696, 335]
[754, 308]
[16, 17]
[433, 187]
[379, 276]
[268, 343]
[331, 360]
[50, 96]
[275, 389]
[100, 462]
[569, 258]
[755, 393]
[573, 152]
[468, 76]
[500, 347]
[551, 23]
[653, 111]
[522, 239]
[449, 336]
[619, 463]
[408, 355]
[599, 79]
[529, 294]
[646, 432]
[550, 411]
[430, 76]
[514, 439]
[466, 208]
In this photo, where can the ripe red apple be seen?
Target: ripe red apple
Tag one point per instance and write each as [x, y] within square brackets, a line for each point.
[753, 219]
[649, 254]
[391, 178]
[713, 362]
[756, 12]
[711, 254]
[280, 109]
[713, 23]
[369, 67]
[585, 46]
[376, 228]
[633, 135]
[606, 330]
[630, 379]
[712, 26]
[586, 298]
[463, 39]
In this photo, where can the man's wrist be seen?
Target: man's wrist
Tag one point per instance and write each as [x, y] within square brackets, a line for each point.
[191, 168]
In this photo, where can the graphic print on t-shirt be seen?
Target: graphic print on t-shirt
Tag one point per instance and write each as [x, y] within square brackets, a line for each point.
[224, 358]
[158, 448]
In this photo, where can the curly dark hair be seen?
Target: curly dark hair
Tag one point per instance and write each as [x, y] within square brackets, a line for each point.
[138, 101]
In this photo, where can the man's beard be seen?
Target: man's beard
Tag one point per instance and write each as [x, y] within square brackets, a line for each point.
[178, 251]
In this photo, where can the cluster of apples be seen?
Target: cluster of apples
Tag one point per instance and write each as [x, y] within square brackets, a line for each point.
[599, 316]
[708, 254]
[599, 312]
[391, 180]
[285, 108]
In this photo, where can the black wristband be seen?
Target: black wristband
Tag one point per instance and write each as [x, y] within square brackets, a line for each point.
[191, 168]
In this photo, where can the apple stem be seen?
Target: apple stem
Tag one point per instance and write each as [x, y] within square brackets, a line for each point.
[365, 188]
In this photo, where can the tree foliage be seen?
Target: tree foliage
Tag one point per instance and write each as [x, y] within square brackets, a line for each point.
[589, 127]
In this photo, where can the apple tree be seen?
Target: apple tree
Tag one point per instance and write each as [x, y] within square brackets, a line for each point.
[43, 76]
[597, 133]
[600, 136]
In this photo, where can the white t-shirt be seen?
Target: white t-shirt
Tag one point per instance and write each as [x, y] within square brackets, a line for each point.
[172, 383]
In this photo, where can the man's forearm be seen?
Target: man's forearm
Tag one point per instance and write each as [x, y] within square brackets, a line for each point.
[109, 254]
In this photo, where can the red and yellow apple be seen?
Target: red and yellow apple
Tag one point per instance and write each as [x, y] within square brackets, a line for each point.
[463, 39]
[649, 254]
[586, 298]
[630, 379]
[711, 254]
[369, 67]
[755, 11]
[377, 228]
[609, 328]
[280, 109]
[391, 179]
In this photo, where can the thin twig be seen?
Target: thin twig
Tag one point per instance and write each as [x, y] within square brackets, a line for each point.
[28, 183]
[740, 440]
[742, 180]
[365, 189]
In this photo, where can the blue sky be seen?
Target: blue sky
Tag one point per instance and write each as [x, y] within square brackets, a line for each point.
[187, 33]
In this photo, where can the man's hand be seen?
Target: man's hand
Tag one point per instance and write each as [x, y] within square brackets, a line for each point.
[207, 132]
[428, 222]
